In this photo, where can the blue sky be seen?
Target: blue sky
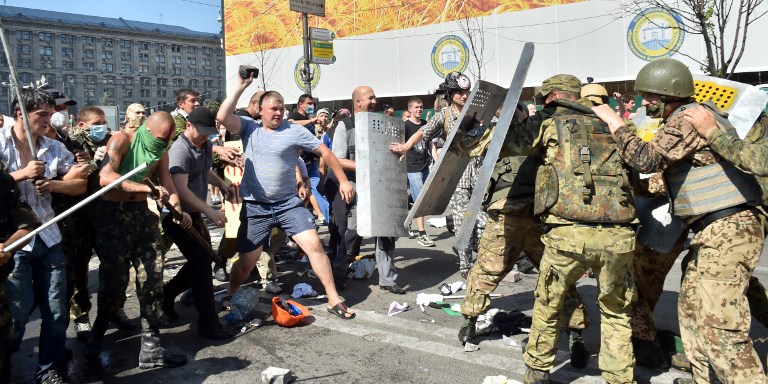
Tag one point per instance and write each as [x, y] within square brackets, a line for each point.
[197, 15]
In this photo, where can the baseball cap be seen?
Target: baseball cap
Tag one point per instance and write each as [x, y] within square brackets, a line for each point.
[323, 110]
[203, 120]
[561, 82]
[59, 97]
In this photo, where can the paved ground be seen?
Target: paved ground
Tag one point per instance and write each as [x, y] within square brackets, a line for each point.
[412, 347]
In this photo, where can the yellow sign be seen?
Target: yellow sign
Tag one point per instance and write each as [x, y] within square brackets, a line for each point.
[233, 175]
[322, 52]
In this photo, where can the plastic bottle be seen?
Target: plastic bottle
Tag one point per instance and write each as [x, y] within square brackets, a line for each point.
[241, 305]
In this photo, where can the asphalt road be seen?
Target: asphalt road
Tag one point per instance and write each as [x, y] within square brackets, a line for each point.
[411, 347]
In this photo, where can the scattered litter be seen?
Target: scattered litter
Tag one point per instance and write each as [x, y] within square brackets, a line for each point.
[396, 308]
[437, 222]
[513, 322]
[513, 277]
[255, 323]
[423, 299]
[303, 290]
[311, 274]
[274, 375]
[361, 269]
[484, 324]
[500, 379]
[242, 305]
[469, 347]
[509, 341]
[456, 307]
[449, 289]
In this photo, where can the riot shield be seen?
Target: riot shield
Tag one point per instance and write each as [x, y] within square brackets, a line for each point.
[482, 104]
[743, 102]
[494, 148]
[382, 194]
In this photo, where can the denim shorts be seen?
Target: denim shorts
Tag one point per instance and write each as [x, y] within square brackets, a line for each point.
[256, 227]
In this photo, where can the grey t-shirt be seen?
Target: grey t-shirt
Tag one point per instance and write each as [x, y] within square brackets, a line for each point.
[185, 158]
[270, 159]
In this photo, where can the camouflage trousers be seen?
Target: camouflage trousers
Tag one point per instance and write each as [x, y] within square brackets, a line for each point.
[504, 238]
[129, 236]
[569, 251]
[77, 240]
[459, 203]
[713, 310]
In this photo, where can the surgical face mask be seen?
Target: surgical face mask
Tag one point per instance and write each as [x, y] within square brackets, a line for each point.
[98, 132]
[310, 110]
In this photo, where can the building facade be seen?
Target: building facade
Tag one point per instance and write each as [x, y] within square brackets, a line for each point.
[94, 60]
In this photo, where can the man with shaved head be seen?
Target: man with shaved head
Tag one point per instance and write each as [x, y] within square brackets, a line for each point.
[129, 234]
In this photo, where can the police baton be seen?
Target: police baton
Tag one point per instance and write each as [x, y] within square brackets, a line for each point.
[97, 194]
[192, 232]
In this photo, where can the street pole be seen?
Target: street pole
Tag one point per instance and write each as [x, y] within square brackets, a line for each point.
[305, 74]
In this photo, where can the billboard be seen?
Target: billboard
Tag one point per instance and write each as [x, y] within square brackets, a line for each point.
[406, 47]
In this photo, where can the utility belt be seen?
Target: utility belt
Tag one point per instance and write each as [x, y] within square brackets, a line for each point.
[125, 205]
[549, 227]
[709, 218]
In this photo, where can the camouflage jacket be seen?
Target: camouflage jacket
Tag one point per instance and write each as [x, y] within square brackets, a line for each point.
[750, 154]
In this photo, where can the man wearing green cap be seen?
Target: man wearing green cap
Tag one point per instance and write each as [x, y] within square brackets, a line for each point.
[584, 199]
[717, 201]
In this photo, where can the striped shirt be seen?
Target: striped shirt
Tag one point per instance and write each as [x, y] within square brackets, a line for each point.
[270, 159]
[58, 160]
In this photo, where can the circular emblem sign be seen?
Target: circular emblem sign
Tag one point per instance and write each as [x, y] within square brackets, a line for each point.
[314, 68]
[655, 33]
[450, 53]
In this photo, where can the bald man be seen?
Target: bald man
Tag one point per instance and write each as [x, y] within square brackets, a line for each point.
[129, 234]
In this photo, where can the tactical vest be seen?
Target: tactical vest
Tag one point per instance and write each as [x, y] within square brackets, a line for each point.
[513, 176]
[697, 190]
[586, 180]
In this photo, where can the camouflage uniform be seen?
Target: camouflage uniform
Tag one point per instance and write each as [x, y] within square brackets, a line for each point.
[14, 216]
[714, 317]
[590, 208]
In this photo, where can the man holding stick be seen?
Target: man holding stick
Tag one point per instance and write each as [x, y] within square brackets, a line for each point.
[128, 234]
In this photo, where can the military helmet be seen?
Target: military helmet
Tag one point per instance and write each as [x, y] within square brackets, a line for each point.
[666, 77]
[595, 92]
[455, 82]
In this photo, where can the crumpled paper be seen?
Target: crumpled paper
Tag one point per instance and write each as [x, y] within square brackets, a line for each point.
[484, 324]
[396, 308]
[423, 299]
[303, 290]
[437, 222]
[449, 289]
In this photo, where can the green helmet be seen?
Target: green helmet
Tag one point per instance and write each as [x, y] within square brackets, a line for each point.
[666, 77]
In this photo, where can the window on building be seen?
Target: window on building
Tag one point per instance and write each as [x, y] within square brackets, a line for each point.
[207, 72]
[108, 79]
[50, 78]
[87, 40]
[67, 39]
[125, 44]
[144, 93]
[176, 59]
[89, 92]
[160, 70]
[126, 68]
[177, 71]
[143, 68]
[162, 93]
[127, 80]
[191, 61]
[23, 35]
[89, 66]
[160, 47]
[24, 63]
[25, 77]
[46, 37]
[127, 92]
[143, 56]
[106, 55]
[207, 62]
[106, 67]
[193, 83]
[206, 51]
[178, 82]
[162, 82]
[160, 59]
[192, 50]
[208, 83]
[193, 72]
[106, 43]
[46, 51]
[90, 79]
[88, 54]
[145, 81]
[3, 62]
[68, 53]
[125, 56]
[24, 49]
[68, 64]
[70, 80]
[143, 45]
[47, 63]
[110, 92]
[176, 48]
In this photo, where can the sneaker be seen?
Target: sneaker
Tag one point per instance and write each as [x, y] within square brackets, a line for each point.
[52, 377]
[273, 288]
[83, 329]
[412, 234]
[425, 241]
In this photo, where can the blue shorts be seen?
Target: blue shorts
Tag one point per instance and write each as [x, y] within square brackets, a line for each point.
[256, 227]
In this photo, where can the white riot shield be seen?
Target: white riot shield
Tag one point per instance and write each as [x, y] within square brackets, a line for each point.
[382, 193]
[743, 102]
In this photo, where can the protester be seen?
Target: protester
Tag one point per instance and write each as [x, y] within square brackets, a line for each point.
[417, 163]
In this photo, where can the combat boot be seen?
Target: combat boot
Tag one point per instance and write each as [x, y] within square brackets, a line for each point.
[153, 355]
[534, 376]
[579, 353]
[467, 331]
[92, 347]
[121, 321]
[648, 354]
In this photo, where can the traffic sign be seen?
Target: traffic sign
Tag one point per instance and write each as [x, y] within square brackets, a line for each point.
[311, 7]
[322, 52]
[321, 34]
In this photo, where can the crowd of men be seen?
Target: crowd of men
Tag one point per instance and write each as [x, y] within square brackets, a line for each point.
[563, 193]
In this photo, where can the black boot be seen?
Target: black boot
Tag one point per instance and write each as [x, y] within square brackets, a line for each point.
[92, 347]
[121, 321]
[467, 331]
[579, 353]
[648, 354]
[153, 355]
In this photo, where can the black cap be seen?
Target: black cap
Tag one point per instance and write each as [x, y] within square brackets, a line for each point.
[203, 120]
[59, 97]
